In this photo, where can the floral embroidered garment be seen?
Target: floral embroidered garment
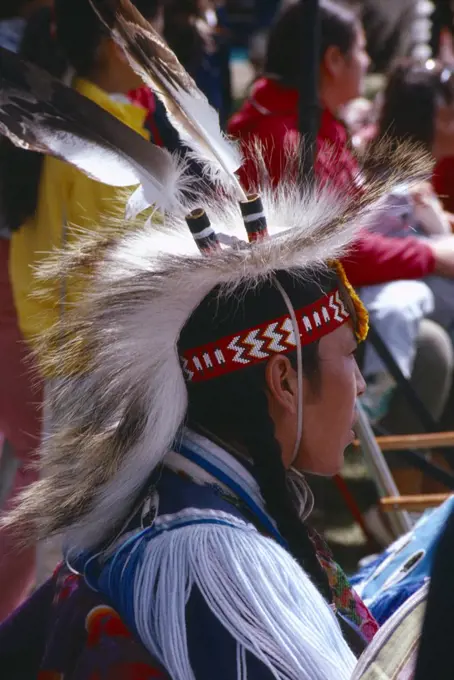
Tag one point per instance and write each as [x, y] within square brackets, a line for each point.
[65, 631]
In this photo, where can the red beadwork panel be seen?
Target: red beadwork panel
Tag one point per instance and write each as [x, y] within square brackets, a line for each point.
[259, 343]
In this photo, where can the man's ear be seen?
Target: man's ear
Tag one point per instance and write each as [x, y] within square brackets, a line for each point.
[282, 384]
[333, 60]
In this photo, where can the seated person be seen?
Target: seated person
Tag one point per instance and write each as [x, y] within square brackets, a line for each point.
[418, 107]
[271, 116]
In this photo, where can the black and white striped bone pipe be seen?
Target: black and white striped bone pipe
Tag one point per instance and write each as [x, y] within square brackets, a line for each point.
[254, 217]
[202, 231]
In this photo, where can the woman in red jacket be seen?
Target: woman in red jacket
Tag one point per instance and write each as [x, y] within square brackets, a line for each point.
[270, 114]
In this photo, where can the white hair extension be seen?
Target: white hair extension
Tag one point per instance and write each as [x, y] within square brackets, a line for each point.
[142, 287]
[164, 275]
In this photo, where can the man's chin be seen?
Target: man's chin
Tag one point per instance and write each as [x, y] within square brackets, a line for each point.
[330, 470]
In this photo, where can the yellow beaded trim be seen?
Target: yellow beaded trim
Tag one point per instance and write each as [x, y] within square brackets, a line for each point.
[362, 325]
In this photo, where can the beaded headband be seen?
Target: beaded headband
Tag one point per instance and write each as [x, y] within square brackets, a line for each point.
[254, 345]
[277, 336]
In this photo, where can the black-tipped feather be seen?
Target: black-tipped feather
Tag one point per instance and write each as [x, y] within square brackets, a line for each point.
[188, 108]
[40, 113]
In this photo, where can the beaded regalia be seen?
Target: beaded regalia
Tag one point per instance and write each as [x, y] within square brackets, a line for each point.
[218, 284]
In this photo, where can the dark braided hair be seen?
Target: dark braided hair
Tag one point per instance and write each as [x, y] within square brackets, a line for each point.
[261, 444]
[234, 407]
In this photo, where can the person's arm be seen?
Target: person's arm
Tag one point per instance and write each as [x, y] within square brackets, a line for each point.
[378, 259]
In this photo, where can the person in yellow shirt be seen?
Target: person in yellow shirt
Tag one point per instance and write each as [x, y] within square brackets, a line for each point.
[58, 197]
[44, 203]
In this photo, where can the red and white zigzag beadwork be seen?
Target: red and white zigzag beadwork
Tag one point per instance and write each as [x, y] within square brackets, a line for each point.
[259, 343]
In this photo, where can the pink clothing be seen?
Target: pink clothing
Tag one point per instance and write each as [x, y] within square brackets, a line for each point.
[20, 423]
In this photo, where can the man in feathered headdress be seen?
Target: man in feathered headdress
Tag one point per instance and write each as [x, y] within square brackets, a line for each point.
[218, 366]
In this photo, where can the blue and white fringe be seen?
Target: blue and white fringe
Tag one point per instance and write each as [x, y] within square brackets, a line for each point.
[249, 583]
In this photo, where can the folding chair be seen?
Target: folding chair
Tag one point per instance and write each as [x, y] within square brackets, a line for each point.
[410, 446]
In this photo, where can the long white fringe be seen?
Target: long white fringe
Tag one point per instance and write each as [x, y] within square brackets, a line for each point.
[253, 587]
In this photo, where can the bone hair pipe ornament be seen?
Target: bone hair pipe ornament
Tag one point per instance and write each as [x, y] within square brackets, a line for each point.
[202, 231]
[254, 217]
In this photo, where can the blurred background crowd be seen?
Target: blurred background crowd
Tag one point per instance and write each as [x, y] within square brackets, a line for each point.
[385, 70]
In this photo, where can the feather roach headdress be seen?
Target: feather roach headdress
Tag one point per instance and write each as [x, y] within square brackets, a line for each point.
[167, 304]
